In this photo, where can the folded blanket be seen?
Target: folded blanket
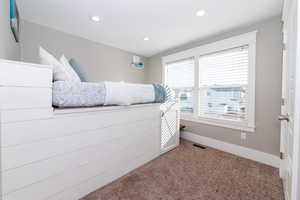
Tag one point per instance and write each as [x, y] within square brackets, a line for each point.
[121, 93]
[84, 94]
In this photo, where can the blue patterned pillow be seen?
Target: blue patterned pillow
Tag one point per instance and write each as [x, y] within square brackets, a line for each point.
[79, 70]
[163, 93]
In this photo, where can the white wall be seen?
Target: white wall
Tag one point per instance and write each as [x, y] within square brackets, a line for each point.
[266, 138]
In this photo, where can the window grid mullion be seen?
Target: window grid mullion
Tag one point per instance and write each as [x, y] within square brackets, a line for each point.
[196, 87]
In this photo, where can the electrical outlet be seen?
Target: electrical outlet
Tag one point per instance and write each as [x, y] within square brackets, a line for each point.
[243, 136]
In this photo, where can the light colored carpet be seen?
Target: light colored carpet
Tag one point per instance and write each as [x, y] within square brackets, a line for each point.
[191, 173]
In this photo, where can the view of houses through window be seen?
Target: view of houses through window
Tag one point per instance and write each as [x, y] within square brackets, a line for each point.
[180, 77]
[223, 84]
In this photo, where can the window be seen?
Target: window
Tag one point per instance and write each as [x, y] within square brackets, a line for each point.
[180, 77]
[223, 84]
[216, 82]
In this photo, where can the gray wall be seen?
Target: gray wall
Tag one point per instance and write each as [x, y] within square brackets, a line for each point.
[9, 49]
[268, 88]
[100, 61]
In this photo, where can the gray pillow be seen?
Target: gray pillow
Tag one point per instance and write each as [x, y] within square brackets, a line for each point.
[78, 69]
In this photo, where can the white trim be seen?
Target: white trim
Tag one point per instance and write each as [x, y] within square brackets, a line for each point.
[63, 111]
[251, 85]
[237, 150]
[287, 6]
[217, 122]
[296, 137]
[25, 64]
[230, 43]
[233, 42]
[196, 87]
[290, 17]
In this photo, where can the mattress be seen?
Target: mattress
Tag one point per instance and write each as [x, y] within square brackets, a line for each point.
[85, 94]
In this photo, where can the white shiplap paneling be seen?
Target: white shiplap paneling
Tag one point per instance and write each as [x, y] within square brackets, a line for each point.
[25, 97]
[10, 116]
[62, 125]
[118, 162]
[14, 156]
[38, 171]
[18, 74]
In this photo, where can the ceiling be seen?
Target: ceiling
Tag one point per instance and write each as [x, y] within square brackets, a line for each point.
[167, 23]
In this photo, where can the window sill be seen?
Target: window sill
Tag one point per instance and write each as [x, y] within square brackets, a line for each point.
[217, 122]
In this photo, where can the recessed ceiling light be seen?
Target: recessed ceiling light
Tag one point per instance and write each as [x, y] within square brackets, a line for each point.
[200, 13]
[146, 38]
[95, 18]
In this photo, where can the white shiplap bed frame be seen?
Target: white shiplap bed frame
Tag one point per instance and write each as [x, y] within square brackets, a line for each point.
[66, 154]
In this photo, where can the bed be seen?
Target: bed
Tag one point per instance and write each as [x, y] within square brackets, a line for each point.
[49, 153]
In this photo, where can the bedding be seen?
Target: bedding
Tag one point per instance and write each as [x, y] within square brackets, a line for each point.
[85, 94]
[79, 70]
[61, 70]
[71, 73]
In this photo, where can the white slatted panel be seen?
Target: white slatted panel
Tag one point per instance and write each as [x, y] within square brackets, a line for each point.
[9, 116]
[96, 182]
[223, 80]
[14, 156]
[180, 74]
[66, 180]
[25, 74]
[25, 97]
[62, 125]
[169, 126]
[48, 167]
[228, 67]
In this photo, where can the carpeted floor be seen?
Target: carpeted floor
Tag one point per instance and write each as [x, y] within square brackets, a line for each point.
[191, 173]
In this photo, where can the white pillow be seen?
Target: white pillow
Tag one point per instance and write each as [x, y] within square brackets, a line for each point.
[71, 73]
[59, 72]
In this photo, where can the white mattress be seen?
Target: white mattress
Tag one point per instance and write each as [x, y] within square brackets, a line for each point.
[85, 94]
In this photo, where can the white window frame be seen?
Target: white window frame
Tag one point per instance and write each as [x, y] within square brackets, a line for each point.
[230, 43]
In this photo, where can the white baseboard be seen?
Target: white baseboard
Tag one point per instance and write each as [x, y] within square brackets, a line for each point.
[244, 152]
